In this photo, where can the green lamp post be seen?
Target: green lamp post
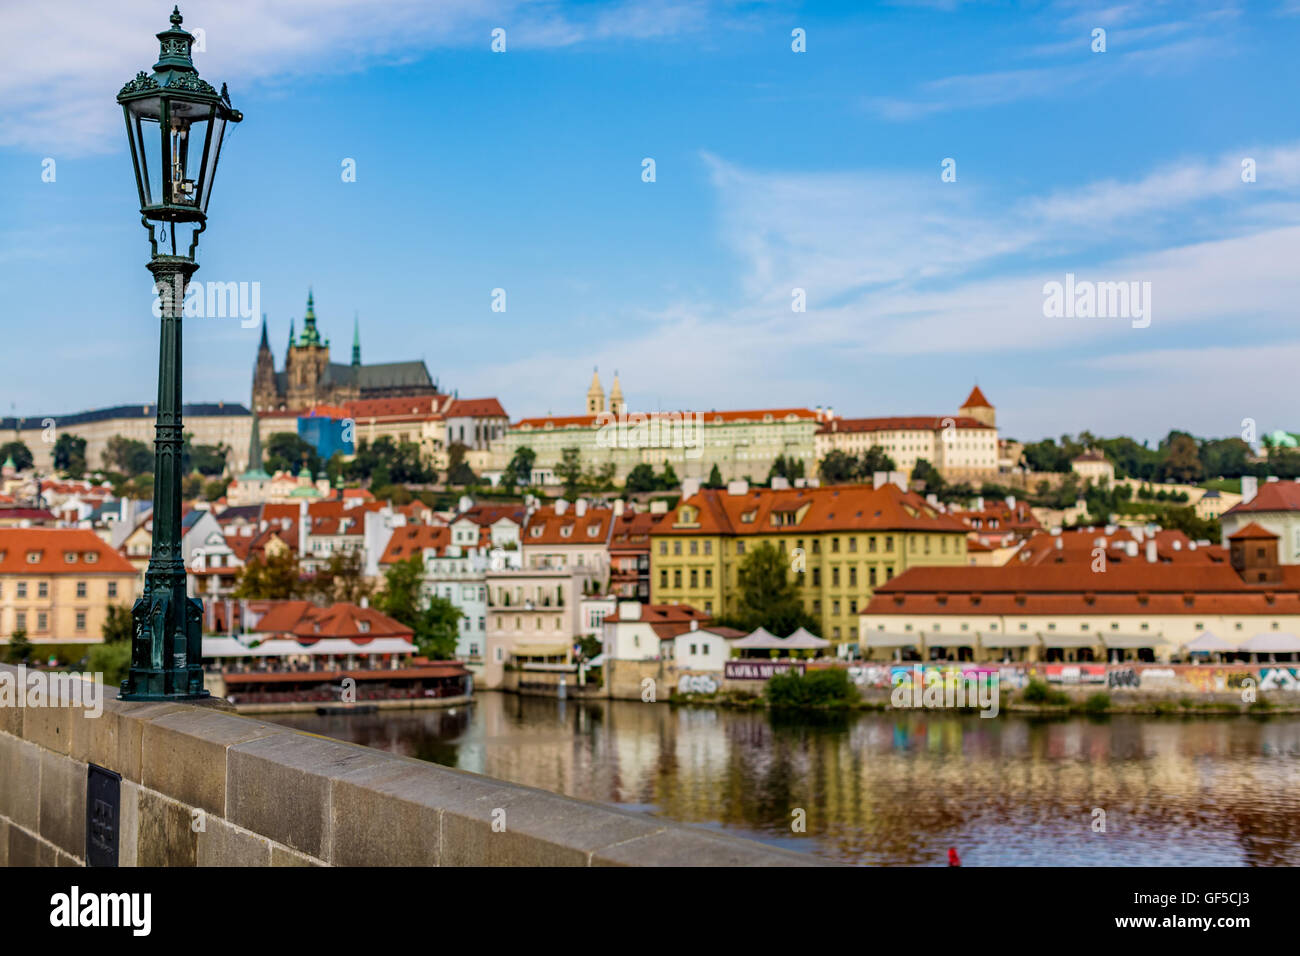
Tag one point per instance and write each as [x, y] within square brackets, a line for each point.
[176, 123]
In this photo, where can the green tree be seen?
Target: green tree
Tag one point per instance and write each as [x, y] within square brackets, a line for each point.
[19, 650]
[117, 624]
[1187, 521]
[838, 468]
[642, 478]
[130, 457]
[111, 660]
[569, 471]
[668, 480]
[285, 451]
[767, 595]
[20, 453]
[927, 473]
[70, 455]
[1182, 461]
[519, 473]
[214, 489]
[275, 578]
[715, 478]
[788, 468]
[435, 620]
[874, 459]
[341, 579]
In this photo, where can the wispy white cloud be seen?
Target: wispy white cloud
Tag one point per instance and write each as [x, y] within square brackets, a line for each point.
[64, 61]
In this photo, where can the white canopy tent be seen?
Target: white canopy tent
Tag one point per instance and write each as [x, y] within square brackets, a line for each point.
[1208, 643]
[1271, 642]
[804, 640]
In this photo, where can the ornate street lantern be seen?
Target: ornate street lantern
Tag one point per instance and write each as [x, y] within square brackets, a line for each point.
[176, 124]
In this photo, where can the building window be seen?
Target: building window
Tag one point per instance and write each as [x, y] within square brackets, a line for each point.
[853, 545]
[43, 589]
[835, 545]
[889, 542]
[42, 622]
[695, 578]
[695, 547]
[835, 577]
[22, 589]
[871, 576]
[708, 577]
[853, 576]
[817, 577]
[708, 547]
[740, 547]
[663, 547]
[708, 607]
[21, 624]
[81, 620]
[853, 605]
[871, 543]
[677, 547]
[677, 578]
[81, 589]
[663, 578]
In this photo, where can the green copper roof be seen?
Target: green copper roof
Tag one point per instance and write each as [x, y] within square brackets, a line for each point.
[310, 336]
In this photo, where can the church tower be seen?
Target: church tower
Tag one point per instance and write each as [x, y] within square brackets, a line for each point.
[616, 403]
[356, 342]
[978, 408]
[595, 395]
[309, 358]
[264, 394]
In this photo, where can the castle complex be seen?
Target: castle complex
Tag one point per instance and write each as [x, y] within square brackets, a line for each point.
[310, 378]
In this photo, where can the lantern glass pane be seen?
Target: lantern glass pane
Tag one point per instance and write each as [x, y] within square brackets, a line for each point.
[218, 125]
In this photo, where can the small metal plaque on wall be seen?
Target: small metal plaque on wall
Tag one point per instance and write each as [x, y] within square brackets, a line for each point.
[103, 816]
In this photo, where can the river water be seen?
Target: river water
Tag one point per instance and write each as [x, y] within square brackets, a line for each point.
[895, 787]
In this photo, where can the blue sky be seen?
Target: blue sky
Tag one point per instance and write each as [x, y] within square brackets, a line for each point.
[775, 170]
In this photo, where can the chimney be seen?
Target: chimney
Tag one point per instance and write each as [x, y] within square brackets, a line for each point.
[1152, 555]
[690, 487]
[1178, 544]
[619, 505]
[979, 503]
[1137, 533]
[1249, 488]
[1271, 478]
[561, 506]
[465, 503]
[1011, 502]
[739, 487]
[779, 483]
[695, 625]
[304, 525]
[879, 478]
[1131, 548]
[659, 507]
[900, 479]
[1060, 544]
[932, 500]
[580, 507]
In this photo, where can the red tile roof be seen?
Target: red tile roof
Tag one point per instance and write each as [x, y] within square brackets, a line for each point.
[50, 547]
[830, 508]
[547, 528]
[926, 423]
[1138, 587]
[475, 408]
[1272, 496]
[398, 409]
[976, 399]
[1252, 532]
[411, 540]
[307, 623]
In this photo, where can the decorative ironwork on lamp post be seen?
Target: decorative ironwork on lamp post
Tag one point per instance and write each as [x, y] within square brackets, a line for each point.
[176, 123]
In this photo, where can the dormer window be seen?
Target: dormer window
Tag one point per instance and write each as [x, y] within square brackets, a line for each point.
[34, 557]
[536, 531]
[363, 627]
[748, 516]
[566, 531]
[70, 557]
[90, 557]
[593, 530]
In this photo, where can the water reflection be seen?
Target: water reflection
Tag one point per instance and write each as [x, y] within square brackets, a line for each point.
[897, 788]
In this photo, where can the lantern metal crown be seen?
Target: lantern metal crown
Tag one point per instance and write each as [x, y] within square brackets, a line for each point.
[176, 123]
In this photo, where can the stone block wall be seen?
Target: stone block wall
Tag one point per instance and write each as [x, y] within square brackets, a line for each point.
[205, 787]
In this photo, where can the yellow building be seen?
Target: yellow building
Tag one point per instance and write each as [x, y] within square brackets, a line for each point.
[842, 541]
[57, 584]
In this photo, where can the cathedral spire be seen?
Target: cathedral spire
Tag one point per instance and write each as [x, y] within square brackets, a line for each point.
[595, 394]
[255, 471]
[356, 341]
[309, 334]
[290, 348]
[265, 346]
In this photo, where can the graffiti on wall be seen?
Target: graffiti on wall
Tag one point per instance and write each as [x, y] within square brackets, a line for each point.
[1279, 678]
